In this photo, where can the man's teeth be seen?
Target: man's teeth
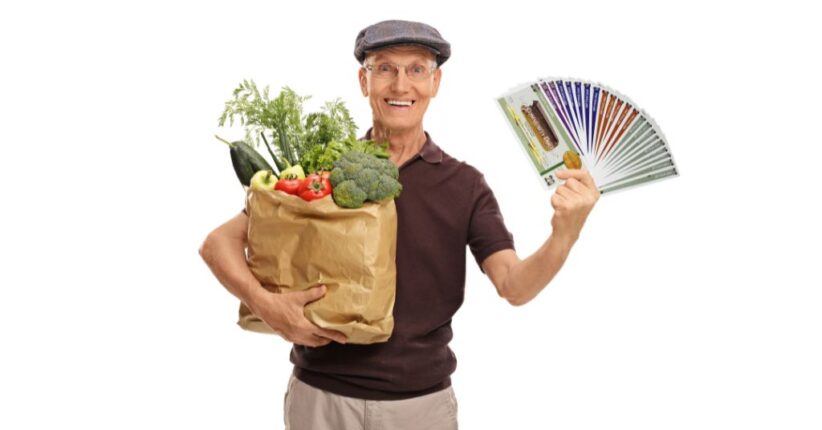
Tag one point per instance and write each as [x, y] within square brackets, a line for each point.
[400, 102]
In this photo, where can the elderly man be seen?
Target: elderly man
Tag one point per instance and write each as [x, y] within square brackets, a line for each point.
[445, 205]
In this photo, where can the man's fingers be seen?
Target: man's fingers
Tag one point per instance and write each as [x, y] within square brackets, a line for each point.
[306, 337]
[576, 185]
[556, 200]
[317, 341]
[331, 334]
[581, 175]
[310, 294]
[565, 192]
[310, 334]
[312, 341]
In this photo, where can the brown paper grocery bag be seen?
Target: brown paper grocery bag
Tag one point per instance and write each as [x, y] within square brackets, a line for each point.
[294, 245]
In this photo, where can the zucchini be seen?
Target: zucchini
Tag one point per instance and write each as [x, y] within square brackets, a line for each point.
[246, 160]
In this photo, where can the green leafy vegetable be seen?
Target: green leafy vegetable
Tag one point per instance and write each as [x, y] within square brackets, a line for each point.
[314, 141]
[279, 120]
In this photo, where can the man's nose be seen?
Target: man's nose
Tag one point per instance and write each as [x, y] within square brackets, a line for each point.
[401, 81]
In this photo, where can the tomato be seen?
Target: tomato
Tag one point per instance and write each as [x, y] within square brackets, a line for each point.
[290, 186]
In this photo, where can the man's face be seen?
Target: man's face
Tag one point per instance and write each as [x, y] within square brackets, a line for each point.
[389, 97]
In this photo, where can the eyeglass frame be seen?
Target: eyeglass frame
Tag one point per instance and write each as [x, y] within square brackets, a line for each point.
[404, 67]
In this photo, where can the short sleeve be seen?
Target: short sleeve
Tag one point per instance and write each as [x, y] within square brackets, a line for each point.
[487, 233]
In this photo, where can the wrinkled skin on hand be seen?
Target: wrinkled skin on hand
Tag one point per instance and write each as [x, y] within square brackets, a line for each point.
[284, 314]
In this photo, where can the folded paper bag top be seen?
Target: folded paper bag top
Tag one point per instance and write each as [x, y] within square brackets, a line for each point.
[294, 245]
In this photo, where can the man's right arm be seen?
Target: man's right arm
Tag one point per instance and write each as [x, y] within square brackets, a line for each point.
[224, 253]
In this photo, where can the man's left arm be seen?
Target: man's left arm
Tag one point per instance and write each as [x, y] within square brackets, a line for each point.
[519, 281]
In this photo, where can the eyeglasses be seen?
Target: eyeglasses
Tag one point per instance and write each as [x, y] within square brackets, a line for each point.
[415, 72]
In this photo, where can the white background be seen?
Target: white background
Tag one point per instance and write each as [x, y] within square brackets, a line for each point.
[688, 303]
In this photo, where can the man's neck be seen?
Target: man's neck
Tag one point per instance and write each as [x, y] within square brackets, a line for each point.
[402, 144]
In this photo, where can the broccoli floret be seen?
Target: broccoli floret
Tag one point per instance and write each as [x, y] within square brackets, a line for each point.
[373, 177]
[350, 170]
[372, 162]
[388, 188]
[336, 177]
[388, 168]
[349, 195]
[368, 180]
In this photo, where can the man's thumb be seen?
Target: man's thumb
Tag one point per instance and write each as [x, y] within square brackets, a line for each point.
[312, 294]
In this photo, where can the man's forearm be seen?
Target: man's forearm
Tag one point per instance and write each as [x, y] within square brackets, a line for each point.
[226, 259]
[572, 202]
[529, 276]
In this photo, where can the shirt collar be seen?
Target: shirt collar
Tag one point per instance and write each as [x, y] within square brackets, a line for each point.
[429, 152]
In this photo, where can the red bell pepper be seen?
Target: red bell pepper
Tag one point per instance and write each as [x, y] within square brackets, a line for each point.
[314, 187]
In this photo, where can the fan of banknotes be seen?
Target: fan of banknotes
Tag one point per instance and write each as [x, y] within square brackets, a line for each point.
[571, 124]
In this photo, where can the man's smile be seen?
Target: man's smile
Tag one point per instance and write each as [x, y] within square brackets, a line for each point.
[399, 104]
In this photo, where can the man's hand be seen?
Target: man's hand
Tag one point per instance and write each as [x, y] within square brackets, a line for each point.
[284, 313]
[572, 203]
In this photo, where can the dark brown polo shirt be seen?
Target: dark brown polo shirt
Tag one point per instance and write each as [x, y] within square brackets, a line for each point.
[445, 205]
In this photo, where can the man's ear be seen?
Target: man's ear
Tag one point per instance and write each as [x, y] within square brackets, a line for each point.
[437, 77]
[363, 82]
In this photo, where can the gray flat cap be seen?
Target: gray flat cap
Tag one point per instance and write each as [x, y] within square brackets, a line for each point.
[394, 32]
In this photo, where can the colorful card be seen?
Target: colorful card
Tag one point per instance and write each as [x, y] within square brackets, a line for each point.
[567, 123]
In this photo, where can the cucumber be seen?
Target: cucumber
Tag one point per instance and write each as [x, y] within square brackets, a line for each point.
[246, 160]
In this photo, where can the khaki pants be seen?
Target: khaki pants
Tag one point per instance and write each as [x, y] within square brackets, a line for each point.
[309, 408]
